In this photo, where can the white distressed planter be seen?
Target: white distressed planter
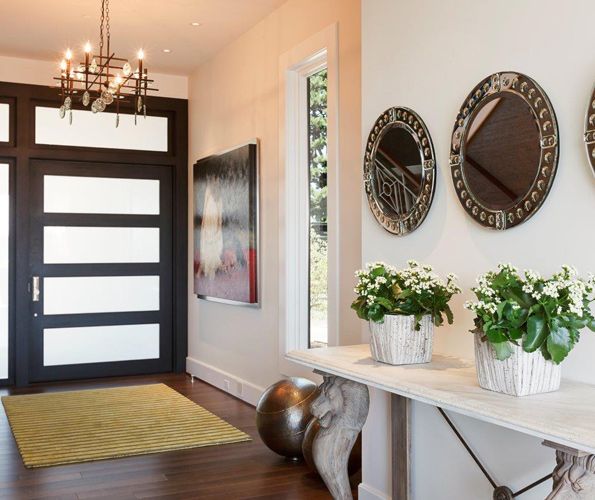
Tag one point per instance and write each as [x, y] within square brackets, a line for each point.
[395, 341]
[520, 375]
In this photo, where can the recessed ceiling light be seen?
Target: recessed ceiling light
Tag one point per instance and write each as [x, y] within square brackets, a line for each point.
[167, 51]
[195, 23]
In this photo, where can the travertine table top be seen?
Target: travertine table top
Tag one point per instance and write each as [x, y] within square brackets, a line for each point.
[566, 417]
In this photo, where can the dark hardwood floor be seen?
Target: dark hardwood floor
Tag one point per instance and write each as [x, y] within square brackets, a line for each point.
[234, 471]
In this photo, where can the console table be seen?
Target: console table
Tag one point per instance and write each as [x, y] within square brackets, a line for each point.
[565, 419]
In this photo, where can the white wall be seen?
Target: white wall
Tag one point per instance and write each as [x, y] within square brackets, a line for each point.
[235, 97]
[427, 55]
[33, 71]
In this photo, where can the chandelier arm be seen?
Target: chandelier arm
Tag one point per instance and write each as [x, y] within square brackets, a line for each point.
[100, 73]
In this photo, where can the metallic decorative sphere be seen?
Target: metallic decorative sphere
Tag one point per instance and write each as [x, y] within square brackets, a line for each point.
[355, 458]
[282, 414]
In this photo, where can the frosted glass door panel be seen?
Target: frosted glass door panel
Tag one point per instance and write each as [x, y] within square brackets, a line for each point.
[100, 195]
[97, 294]
[96, 245]
[4, 122]
[97, 344]
[4, 245]
[99, 130]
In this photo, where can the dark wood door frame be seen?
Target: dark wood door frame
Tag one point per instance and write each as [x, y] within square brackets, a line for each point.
[21, 149]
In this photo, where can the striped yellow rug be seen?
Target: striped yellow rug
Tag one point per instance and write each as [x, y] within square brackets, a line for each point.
[79, 426]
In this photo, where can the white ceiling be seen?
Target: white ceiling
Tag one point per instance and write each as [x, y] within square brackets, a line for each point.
[43, 29]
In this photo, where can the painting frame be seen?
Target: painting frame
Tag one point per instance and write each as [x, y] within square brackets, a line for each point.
[253, 263]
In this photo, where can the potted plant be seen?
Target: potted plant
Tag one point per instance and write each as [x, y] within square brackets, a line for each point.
[402, 307]
[526, 326]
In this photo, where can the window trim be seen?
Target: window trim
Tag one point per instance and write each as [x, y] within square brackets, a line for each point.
[317, 52]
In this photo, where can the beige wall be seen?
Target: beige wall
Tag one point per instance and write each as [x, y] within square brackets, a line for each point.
[234, 97]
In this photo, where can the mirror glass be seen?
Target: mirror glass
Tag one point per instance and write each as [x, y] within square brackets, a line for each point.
[398, 171]
[502, 151]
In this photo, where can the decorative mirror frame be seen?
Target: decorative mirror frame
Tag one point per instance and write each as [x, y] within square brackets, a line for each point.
[545, 117]
[589, 136]
[410, 121]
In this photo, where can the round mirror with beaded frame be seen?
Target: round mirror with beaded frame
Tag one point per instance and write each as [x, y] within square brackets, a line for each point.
[590, 131]
[399, 170]
[504, 150]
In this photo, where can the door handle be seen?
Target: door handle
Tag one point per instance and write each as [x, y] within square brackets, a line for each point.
[35, 289]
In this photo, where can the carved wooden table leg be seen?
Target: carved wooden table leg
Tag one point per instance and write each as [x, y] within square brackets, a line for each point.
[574, 475]
[342, 409]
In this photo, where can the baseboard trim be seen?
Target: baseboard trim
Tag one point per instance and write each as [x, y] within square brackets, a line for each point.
[236, 386]
[365, 492]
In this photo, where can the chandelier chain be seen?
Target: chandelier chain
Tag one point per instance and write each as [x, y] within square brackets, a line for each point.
[107, 24]
[101, 27]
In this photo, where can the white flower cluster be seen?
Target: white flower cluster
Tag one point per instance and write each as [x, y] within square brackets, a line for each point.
[422, 279]
[417, 278]
[368, 285]
[565, 287]
[488, 298]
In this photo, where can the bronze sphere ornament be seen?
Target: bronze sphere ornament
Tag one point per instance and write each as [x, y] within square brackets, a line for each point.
[283, 413]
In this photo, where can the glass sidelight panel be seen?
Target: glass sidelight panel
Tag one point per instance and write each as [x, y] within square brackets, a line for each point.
[97, 294]
[4, 122]
[100, 344]
[96, 245]
[4, 263]
[100, 195]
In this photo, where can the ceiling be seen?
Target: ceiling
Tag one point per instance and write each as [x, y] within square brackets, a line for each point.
[43, 29]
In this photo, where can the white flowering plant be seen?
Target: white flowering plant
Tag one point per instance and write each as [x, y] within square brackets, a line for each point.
[531, 311]
[414, 291]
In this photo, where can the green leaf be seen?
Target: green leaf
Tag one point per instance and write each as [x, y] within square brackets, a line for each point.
[500, 309]
[559, 344]
[545, 353]
[384, 302]
[517, 317]
[495, 335]
[515, 333]
[536, 333]
[521, 298]
[576, 323]
[449, 315]
[376, 316]
[591, 325]
[503, 350]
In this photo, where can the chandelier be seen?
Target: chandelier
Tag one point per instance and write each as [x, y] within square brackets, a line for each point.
[104, 79]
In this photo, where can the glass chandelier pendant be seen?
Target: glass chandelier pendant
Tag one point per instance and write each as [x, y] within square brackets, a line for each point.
[103, 78]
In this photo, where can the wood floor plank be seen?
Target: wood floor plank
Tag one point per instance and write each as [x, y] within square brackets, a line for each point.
[234, 471]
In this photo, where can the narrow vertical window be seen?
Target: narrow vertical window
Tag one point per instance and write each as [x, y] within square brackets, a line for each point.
[318, 229]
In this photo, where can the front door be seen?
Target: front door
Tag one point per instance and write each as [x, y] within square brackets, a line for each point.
[100, 270]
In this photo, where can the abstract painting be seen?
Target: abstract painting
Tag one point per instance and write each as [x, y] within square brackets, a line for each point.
[225, 226]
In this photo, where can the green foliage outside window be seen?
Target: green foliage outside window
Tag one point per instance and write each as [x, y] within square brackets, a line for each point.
[317, 129]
